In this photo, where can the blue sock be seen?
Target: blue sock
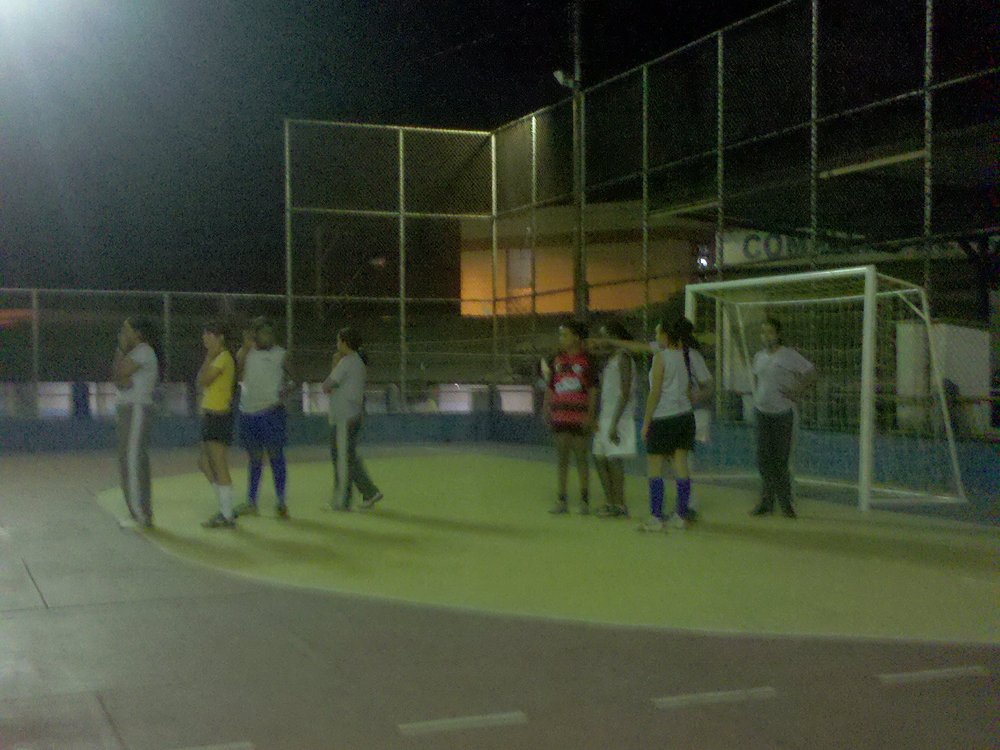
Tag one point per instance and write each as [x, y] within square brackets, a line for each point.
[683, 496]
[278, 471]
[656, 497]
[256, 467]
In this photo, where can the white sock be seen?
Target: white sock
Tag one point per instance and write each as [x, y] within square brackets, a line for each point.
[226, 500]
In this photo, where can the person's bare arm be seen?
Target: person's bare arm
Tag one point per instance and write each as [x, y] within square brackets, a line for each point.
[653, 400]
[123, 369]
[633, 347]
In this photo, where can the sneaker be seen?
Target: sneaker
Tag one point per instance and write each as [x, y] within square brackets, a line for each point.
[129, 524]
[761, 510]
[246, 509]
[219, 521]
[677, 522]
[651, 524]
[612, 511]
[369, 502]
[789, 513]
[344, 507]
[282, 512]
[559, 508]
[584, 509]
[692, 515]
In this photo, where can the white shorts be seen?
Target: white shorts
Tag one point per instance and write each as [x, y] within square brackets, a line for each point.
[627, 443]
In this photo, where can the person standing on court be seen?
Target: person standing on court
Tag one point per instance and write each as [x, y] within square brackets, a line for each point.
[217, 379]
[615, 438]
[262, 369]
[346, 387]
[780, 376]
[569, 408]
[678, 379]
[136, 372]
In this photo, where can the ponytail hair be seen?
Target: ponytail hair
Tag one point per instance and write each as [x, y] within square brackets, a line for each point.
[149, 333]
[681, 331]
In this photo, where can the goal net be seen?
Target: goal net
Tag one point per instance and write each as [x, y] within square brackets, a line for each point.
[877, 419]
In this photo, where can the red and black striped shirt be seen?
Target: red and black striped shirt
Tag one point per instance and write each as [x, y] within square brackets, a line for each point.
[572, 378]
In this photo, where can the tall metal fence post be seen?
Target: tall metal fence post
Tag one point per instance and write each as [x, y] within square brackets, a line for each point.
[532, 219]
[645, 202]
[402, 272]
[36, 339]
[928, 141]
[720, 164]
[814, 132]
[289, 329]
[580, 291]
[495, 252]
[166, 336]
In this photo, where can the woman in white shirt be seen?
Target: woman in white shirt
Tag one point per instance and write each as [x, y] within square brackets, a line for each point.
[346, 386]
[677, 379]
[136, 372]
[615, 438]
[780, 375]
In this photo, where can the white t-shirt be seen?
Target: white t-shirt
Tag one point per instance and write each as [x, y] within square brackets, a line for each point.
[776, 372]
[263, 376]
[611, 389]
[143, 381]
[675, 392]
[348, 394]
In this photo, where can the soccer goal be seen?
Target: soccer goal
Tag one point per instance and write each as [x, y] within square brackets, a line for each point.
[877, 418]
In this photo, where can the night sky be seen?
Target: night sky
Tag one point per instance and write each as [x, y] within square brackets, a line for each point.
[141, 142]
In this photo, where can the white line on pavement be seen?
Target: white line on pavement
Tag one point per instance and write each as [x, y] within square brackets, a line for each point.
[927, 675]
[723, 696]
[463, 722]
[229, 746]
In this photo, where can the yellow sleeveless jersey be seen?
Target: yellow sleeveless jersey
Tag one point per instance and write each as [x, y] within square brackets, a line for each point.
[219, 395]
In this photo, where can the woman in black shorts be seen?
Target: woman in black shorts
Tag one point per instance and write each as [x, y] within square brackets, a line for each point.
[677, 378]
[217, 380]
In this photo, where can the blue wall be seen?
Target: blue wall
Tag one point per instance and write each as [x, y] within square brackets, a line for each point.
[732, 446]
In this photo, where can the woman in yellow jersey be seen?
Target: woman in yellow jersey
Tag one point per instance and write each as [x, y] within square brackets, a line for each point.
[217, 380]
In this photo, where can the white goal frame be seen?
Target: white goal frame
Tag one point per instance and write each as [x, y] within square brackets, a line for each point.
[874, 285]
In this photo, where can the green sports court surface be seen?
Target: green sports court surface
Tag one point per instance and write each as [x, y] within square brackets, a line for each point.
[471, 530]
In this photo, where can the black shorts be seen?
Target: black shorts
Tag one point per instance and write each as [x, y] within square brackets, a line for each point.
[217, 428]
[670, 434]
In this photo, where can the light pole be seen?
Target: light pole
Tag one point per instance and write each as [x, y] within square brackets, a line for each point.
[580, 301]
[580, 291]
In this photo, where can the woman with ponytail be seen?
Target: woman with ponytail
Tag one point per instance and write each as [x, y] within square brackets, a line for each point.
[677, 380]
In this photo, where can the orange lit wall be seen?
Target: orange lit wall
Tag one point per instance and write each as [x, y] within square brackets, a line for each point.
[614, 260]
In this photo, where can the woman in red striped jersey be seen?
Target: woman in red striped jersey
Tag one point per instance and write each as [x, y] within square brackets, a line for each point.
[569, 409]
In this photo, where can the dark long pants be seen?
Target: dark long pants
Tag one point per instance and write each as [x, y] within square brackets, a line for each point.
[344, 453]
[774, 445]
[133, 459]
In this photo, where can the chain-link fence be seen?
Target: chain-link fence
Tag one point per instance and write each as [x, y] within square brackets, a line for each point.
[815, 133]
